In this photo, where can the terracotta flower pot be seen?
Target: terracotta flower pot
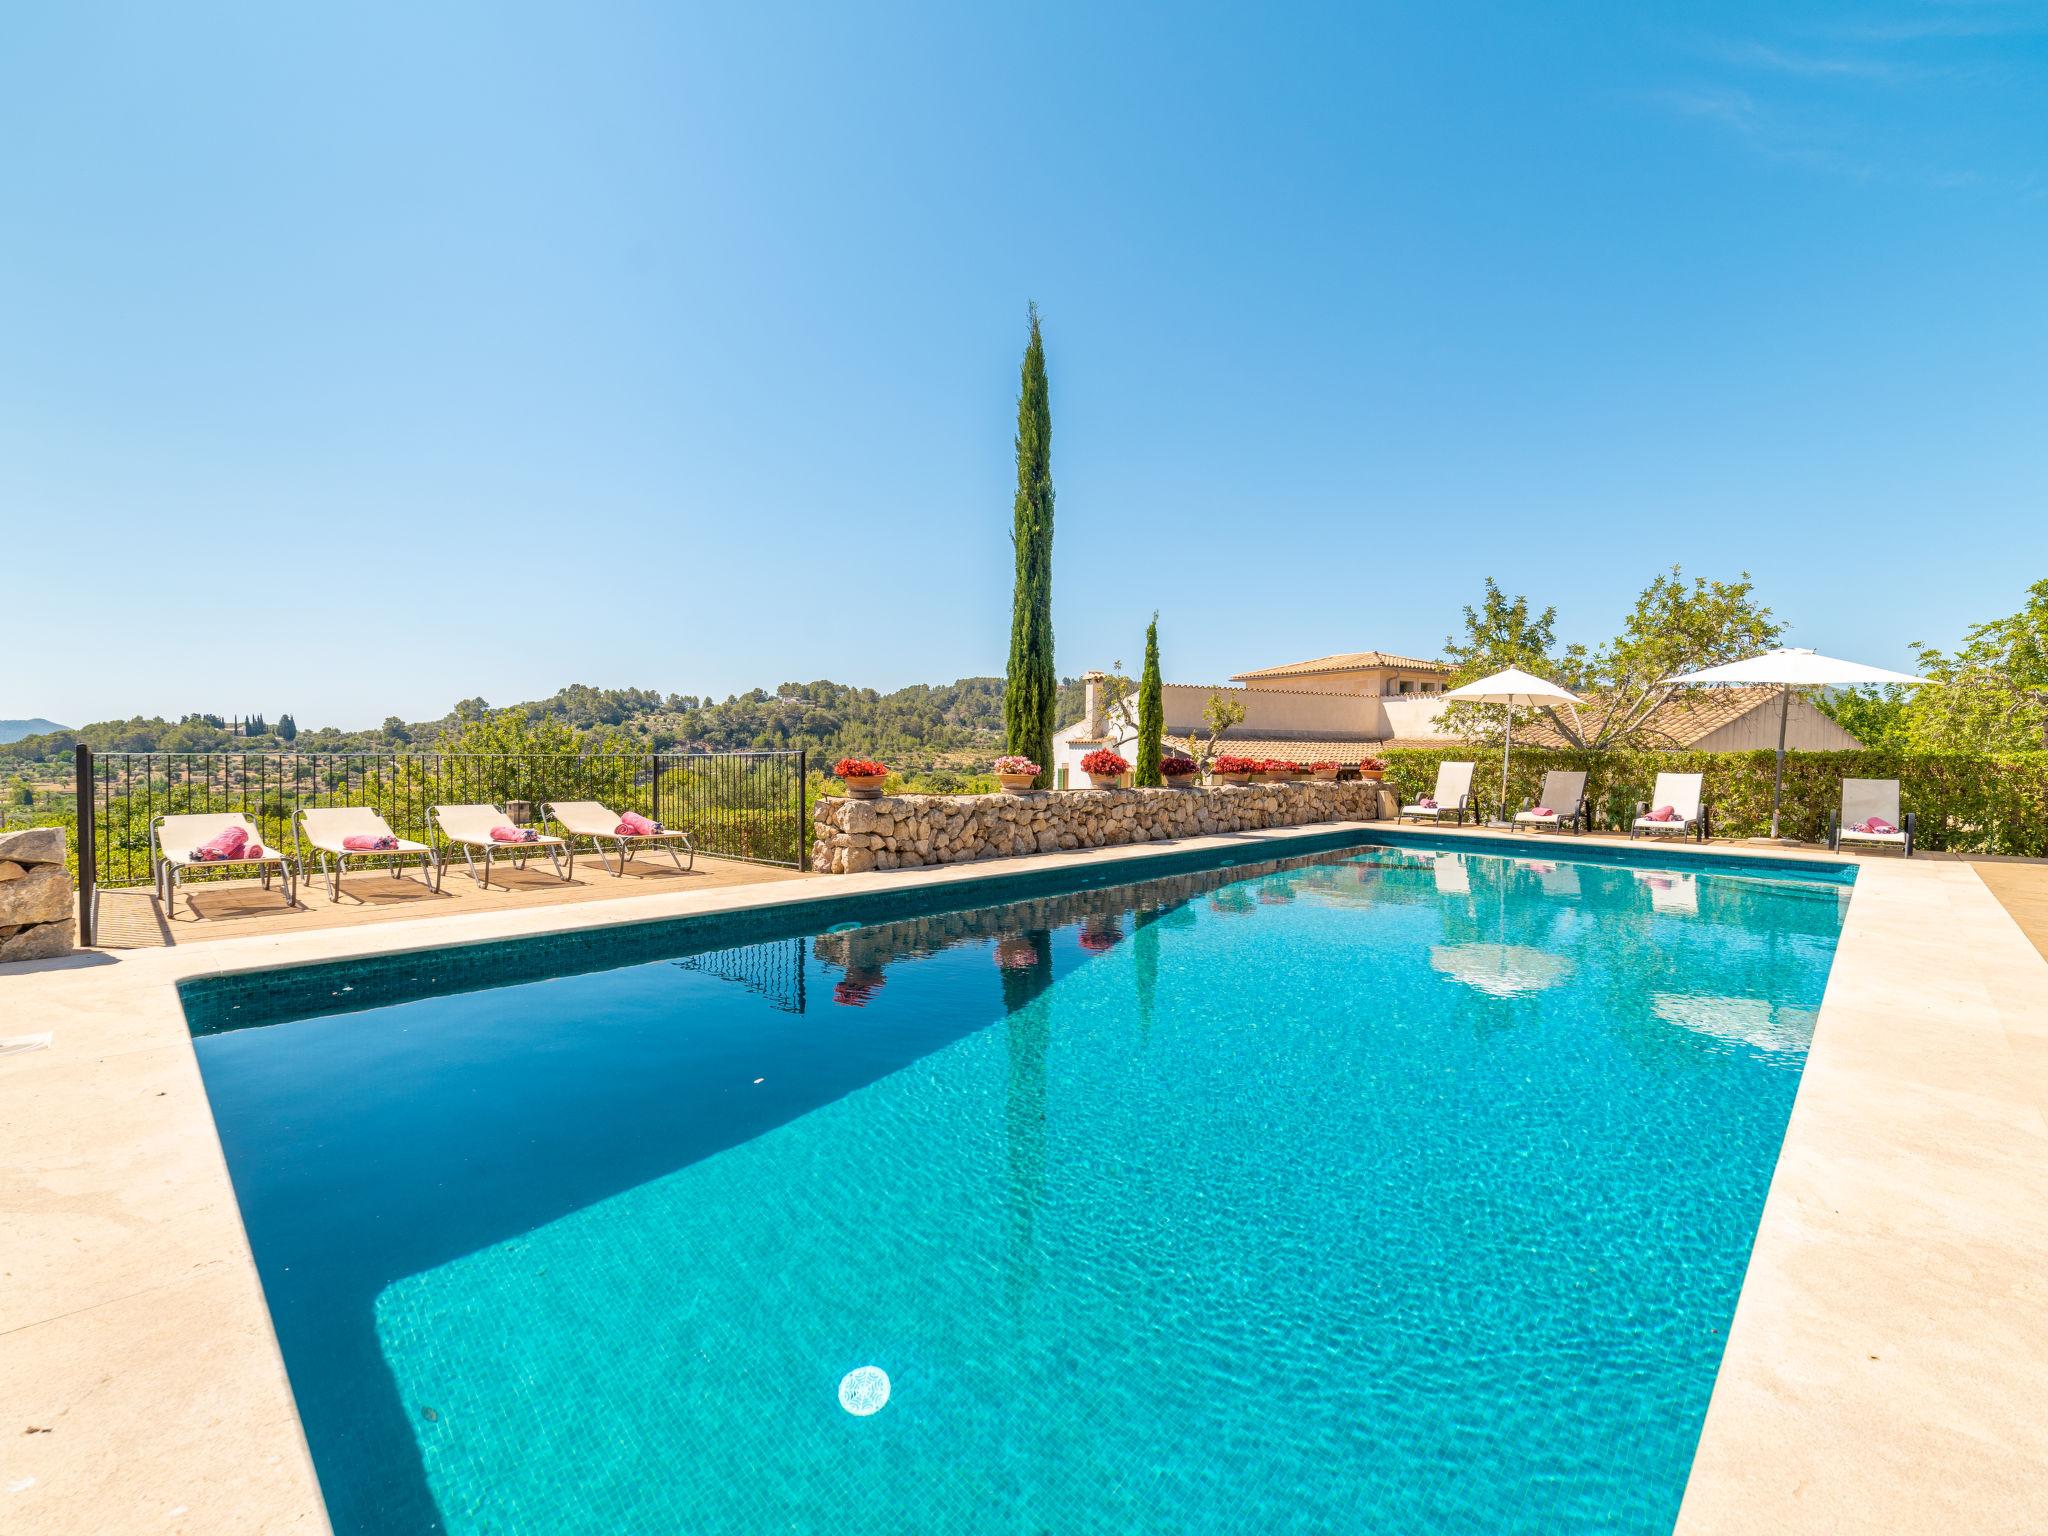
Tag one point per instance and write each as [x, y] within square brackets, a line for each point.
[1372, 775]
[1326, 776]
[1235, 778]
[1179, 780]
[1106, 780]
[866, 786]
[1016, 783]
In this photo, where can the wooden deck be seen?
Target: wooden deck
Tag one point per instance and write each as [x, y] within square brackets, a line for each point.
[2021, 886]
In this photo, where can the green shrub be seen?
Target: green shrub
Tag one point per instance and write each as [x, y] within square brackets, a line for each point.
[1965, 802]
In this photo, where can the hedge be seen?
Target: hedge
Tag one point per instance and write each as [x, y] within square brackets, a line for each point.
[1966, 802]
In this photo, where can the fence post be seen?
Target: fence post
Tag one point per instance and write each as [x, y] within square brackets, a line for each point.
[88, 841]
[654, 788]
[803, 811]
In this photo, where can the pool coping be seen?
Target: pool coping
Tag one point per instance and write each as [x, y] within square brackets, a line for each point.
[1907, 1220]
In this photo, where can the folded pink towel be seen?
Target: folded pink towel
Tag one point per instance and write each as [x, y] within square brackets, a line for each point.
[365, 842]
[1543, 810]
[226, 845]
[514, 835]
[633, 824]
[1663, 813]
[1876, 824]
[1427, 802]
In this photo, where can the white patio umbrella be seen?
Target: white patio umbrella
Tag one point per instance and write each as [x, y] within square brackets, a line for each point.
[1512, 689]
[1786, 670]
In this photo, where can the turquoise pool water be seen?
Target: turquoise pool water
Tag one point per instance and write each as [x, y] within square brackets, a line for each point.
[1393, 1188]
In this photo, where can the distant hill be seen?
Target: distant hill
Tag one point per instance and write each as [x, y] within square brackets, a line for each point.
[14, 730]
[920, 726]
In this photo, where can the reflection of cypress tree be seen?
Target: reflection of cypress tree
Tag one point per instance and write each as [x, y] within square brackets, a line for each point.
[1145, 958]
[1025, 1038]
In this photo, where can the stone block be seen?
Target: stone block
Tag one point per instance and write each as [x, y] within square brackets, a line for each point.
[33, 845]
[40, 941]
[43, 895]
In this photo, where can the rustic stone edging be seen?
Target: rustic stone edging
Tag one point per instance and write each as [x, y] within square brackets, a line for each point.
[35, 895]
[909, 831]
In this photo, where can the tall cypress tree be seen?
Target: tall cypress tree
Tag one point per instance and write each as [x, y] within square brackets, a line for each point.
[1151, 728]
[1031, 691]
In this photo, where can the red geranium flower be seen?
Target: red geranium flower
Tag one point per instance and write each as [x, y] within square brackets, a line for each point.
[859, 768]
[1235, 765]
[1105, 763]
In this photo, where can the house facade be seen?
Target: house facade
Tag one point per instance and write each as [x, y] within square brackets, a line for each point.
[1358, 704]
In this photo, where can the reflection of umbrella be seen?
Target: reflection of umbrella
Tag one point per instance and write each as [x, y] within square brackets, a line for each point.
[1512, 689]
[1741, 1020]
[1786, 670]
[1501, 970]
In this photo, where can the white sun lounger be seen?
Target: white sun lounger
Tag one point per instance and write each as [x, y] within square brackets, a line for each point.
[1564, 796]
[469, 828]
[591, 819]
[1863, 799]
[1453, 796]
[1680, 791]
[172, 839]
[326, 828]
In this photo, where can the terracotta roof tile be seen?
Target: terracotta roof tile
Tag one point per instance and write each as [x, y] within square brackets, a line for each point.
[1348, 661]
[1689, 717]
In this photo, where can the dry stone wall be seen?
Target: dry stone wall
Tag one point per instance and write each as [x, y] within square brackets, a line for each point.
[907, 831]
[35, 895]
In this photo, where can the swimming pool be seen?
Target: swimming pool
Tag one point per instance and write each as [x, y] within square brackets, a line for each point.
[1397, 1186]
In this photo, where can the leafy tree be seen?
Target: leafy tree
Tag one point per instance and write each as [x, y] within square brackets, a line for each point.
[1151, 710]
[1877, 717]
[1674, 627]
[1501, 632]
[287, 728]
[1031, 689]
[1992, 694]
[1219, 714]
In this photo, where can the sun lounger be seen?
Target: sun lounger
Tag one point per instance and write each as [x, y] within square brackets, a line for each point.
[1681, 792]
[1564, 796]
[173, 840]
[1864, 800]
[329, 831]
[469, 827]
[588, 818]
[1452, 797]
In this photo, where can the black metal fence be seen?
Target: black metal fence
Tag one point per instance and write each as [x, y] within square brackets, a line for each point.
[734, 805]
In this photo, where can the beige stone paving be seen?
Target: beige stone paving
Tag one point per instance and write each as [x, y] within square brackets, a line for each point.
[131, 917]
[1906, 1221]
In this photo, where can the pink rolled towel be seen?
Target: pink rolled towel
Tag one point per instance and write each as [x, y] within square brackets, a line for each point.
[514, 835]
[1427, 802]
[225, 845]
[365, 842]
[1663, 813]
[1876, 824]
[1543, 810]
[633, 824]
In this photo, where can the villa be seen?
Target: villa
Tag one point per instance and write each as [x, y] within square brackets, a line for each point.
[1358, 704]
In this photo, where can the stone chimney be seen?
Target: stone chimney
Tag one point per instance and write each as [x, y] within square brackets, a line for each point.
[1092, 724]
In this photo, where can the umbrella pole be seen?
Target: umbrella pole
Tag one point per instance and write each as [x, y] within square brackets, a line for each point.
[1778, 783]
[1507, 743]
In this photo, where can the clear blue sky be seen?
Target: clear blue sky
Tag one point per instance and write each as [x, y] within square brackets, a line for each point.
[343, 346]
